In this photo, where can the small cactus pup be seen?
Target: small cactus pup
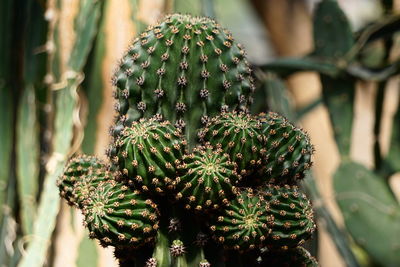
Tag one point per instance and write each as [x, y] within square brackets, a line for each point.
[243, 224]
[185, 70]
[120, 217]
[238, 134]
[178, 251]
[288, 148]
[146, 154]
[298, 257]
[204, 263]
[206, 178]
[293, 216]
[81, 175]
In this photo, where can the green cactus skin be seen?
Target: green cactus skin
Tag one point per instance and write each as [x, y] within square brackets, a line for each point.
[293, 217]
[239, 135]
[81, 175]
[298, 257]
[207, 178]
[178, 251]
[204, 263]
[288, 148]
[146, 154]
[185, 62]
[119, 216]
[243, 224]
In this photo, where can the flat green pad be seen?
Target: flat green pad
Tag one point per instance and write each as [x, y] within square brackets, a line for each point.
[370, 211]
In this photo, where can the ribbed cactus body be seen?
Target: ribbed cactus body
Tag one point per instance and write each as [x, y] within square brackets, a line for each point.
[81, 175]
[207, 178]
[119, 216]
[293, 221]
[183, 64]
[288, 149]
[298, 257]
[239, 135]
[146, 154]
[244, 223]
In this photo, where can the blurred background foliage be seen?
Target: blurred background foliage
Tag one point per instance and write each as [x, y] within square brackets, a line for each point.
[330, 65]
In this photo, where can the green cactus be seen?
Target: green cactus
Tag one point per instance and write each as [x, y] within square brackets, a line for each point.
[243, 224]
[119, 216]
[146, 154]
[289, 149]
[239, 135]
[185, 69]
[81, 176]
[286, 258]
[207, 178]
[293, 219]
[195, 67]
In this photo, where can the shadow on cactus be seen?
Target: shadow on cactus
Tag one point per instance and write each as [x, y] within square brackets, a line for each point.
[162, 201]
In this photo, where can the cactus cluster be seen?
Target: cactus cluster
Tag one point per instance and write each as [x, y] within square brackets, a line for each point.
[232, 186]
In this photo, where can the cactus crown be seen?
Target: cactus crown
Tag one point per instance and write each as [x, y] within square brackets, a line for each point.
[184, 70]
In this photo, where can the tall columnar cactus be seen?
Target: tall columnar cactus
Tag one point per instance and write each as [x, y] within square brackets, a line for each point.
[185, 70]
[193, 205]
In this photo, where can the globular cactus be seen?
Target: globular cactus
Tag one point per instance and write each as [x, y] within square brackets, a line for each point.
[186, 79]
[293, 220]
[239, 135]
[298, 257]
[244, 223]
[207, 178]
[119, 216]
[185, 70]
[288, 148]
[146, 153]
[81, 175]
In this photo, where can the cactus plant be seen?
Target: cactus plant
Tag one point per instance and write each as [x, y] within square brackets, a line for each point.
[207, 178]
[81, 175]
[244, 223]
[238, 134]
[292, 215]
[194, 66]
[118, 216]
[288, 148]
[146, 153]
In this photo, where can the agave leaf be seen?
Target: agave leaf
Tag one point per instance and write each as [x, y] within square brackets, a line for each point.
[65, 106]
[27, 158]
[287, 66]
